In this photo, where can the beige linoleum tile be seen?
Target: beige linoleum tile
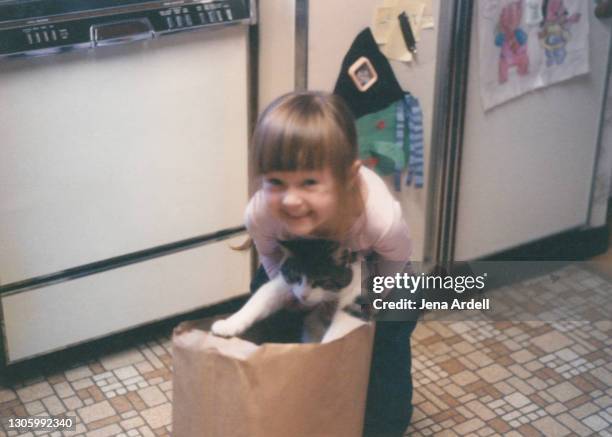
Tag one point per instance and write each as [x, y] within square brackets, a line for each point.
[478, 377]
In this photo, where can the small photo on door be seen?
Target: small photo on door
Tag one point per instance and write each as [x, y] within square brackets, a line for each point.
[363, 74]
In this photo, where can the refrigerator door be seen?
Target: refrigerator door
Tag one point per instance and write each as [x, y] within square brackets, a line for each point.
[527, 164]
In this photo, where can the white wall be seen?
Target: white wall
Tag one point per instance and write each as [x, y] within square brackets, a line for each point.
[527, 165]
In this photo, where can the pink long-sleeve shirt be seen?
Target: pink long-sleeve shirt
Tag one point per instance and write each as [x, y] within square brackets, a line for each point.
[380, 228]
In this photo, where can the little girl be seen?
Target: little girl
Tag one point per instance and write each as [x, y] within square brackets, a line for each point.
[305, 153]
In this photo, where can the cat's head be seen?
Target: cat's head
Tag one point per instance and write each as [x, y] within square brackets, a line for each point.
[320, 263]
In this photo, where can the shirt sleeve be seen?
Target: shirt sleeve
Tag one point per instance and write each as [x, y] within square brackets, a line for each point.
[265, 240]
[385, 233]
[394, 247]
[394, 242]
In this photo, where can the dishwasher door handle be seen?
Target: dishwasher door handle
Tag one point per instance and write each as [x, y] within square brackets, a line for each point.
[119, 32]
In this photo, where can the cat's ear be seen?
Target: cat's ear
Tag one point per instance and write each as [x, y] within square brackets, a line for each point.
[291, 271]
[289, 245]
[344, 277]
[330, 246]
[347, 257]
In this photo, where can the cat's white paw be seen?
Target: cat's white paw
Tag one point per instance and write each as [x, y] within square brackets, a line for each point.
[227, 328]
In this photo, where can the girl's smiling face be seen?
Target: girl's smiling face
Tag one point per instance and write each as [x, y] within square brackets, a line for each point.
[303, 200]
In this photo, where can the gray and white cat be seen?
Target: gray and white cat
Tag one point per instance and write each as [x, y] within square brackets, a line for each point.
[319, 275]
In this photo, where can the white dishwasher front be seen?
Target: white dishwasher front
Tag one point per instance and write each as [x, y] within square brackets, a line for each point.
[110, 154]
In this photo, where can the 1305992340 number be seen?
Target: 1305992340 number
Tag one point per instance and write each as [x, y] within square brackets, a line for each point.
[39, 423]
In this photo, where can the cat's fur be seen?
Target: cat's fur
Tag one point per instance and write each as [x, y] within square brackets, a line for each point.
[316, 273]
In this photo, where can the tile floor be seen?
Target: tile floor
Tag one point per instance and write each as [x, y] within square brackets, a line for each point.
[123, 394]
[472, 378]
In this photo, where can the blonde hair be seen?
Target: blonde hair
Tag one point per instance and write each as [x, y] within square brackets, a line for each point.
[312, 131]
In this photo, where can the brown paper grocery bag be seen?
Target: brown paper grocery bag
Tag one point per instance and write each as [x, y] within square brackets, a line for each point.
[235, 388]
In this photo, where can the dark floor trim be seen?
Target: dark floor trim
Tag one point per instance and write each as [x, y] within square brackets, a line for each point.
[574, 245]
[59, 361]
[118, 261]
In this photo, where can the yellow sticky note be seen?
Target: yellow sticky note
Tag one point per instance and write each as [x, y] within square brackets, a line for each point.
[427, 22]
[395, 48]
[414, 9]
[386, 28]
[384, 19]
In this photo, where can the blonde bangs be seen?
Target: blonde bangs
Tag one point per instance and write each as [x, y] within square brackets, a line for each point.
[302, 134]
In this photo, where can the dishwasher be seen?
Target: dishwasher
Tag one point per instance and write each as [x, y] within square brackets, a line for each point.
[123, 165]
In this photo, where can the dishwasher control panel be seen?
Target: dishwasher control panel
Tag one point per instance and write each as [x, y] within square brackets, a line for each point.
[54, 34]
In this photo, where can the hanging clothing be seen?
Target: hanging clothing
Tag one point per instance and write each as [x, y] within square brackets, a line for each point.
[416, 160]
[377, 137]
[389, 120]
[391, 141]
[385, 90]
